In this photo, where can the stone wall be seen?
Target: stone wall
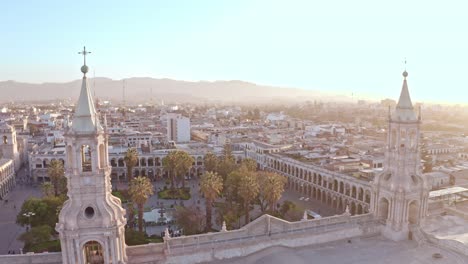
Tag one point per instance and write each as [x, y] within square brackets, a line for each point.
[42, 258]
[264, 232]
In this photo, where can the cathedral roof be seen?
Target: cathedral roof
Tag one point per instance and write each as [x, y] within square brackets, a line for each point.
[404, 110]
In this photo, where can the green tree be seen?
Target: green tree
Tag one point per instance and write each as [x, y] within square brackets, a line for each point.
[272, 189]
[231, 185]
[47, 189]
[227, 163]
[133, 237]
[131, 160]
[248, 191]
[190, 219]
[131, 214]
[37, 234]
[56, 174]
[177, 163]
[211, 162]
[211, 185]
[184, 163]
[250, 164]
[290, 211]
[140, 190]
[45, 211]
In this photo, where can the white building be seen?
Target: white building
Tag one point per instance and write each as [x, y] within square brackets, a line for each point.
[178, 128]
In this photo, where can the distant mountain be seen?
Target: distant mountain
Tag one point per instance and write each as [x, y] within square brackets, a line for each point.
[143, 89]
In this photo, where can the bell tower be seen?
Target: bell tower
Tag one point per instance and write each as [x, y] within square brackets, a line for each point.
[400, 192]
[9, 145]
[92, 220]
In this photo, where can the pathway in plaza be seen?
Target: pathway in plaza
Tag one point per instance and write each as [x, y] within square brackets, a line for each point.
[9, 230]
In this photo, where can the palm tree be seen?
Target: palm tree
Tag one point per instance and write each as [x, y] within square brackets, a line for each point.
[177, 163]
[211, 185]
[140, 190]
[184, 162]
[56, 173]
[131, 159]
[47, 188]
[272, 189]
[211, 162]
[248, 191]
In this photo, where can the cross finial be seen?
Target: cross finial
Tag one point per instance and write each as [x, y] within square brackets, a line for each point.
[84, 53]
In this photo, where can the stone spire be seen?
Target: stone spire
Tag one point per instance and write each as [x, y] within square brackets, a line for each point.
[85, 119]
[404, 110]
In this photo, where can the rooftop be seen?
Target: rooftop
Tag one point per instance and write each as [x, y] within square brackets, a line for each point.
[363, 251]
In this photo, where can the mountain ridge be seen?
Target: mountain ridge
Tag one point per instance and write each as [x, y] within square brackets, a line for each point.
[145, 88]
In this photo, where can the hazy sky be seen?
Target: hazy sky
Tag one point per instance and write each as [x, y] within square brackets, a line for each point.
[345, 46]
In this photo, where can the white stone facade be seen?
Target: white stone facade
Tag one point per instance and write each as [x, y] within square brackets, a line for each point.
[400, 193]
[92, 220]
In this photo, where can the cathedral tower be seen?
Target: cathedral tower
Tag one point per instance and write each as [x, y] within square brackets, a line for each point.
[92, 220]
[9, 145]
[400, 192]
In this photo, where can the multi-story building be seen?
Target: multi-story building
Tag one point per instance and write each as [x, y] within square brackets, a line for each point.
[178, 128]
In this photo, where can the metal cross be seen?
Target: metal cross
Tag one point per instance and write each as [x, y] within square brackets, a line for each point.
[84, 52]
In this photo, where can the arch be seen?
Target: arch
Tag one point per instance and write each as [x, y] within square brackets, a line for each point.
[121, 162]
[341, 187]
[113, 162]
[359, 209]
[360, 194]
[367, 196]
[86, 164]
[143, 162]
[150, 162]
[5, 140]
[347, 189]
[352, 208]
[353, 191]
[413, 212]
[93, 252]
[384, 206]
[45, 163]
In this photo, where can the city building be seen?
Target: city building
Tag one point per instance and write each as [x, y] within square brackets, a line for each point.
[178, 128]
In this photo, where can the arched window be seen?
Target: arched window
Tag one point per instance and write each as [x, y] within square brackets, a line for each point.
[86, 158]
[5, 140]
